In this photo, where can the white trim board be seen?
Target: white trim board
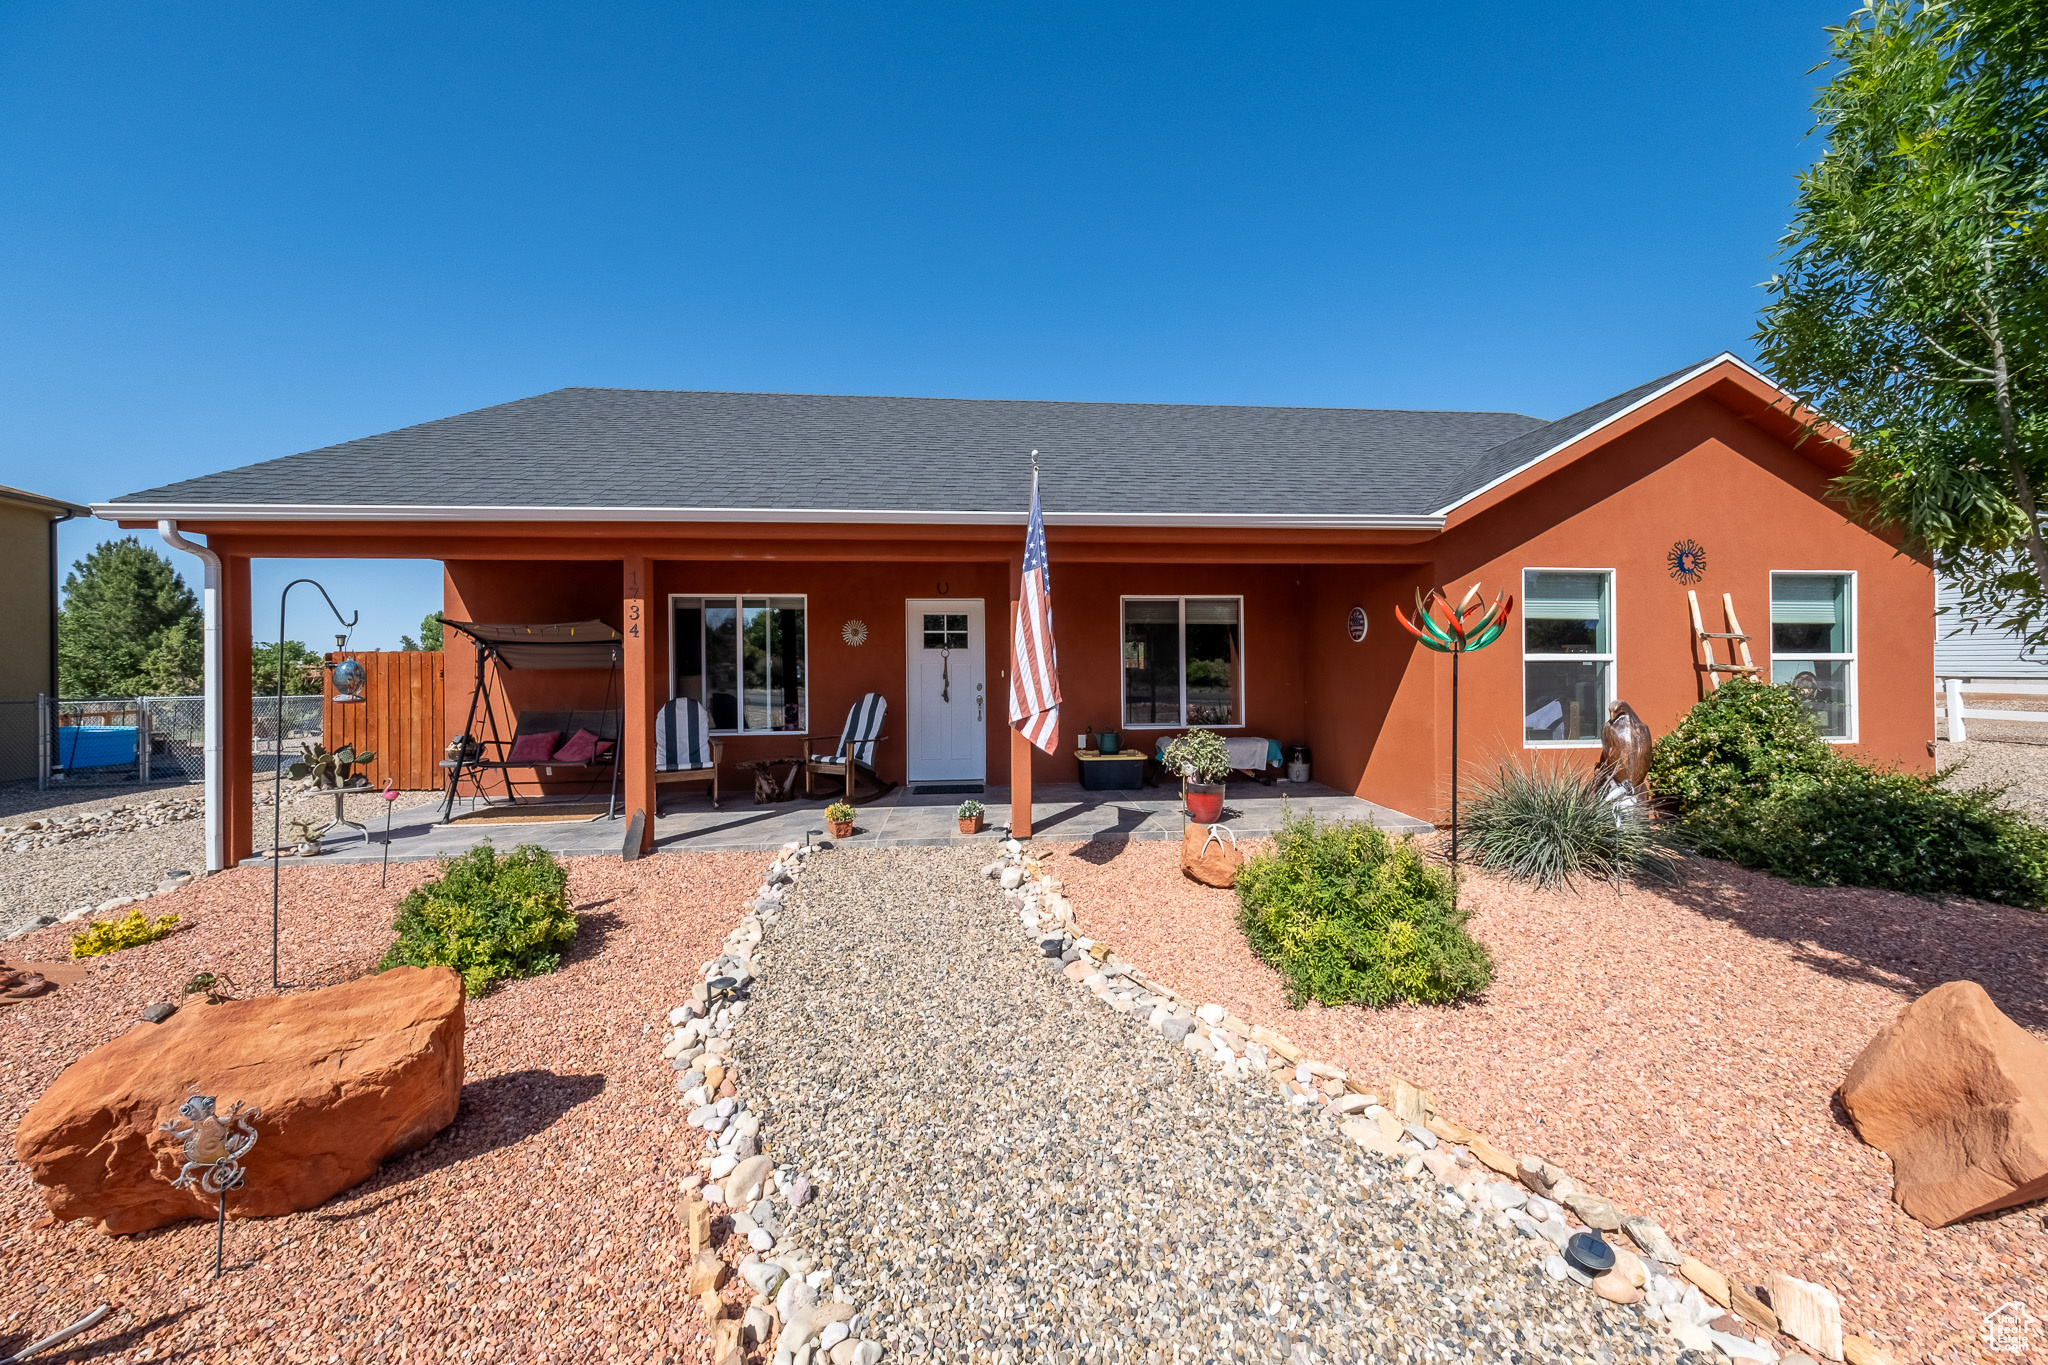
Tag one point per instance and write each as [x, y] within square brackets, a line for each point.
[256, 511]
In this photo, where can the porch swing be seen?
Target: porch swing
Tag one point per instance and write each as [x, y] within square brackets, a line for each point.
[541, 740]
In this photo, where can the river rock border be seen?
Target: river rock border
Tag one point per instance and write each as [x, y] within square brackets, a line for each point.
[794, 1307]
[1524, 1194]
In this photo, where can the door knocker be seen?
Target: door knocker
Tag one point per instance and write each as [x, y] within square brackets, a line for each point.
[946, 674]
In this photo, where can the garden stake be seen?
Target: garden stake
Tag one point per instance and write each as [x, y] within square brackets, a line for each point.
[390, 798]
[1471, 625]
[213, 1156]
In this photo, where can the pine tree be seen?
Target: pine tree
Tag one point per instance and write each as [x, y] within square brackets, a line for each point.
[128, 627]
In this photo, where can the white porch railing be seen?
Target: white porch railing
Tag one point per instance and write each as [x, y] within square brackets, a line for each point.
[1958, 715]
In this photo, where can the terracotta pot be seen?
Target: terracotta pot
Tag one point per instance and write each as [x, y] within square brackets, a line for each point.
[970, 824]
[1205, 802]
[841, 829]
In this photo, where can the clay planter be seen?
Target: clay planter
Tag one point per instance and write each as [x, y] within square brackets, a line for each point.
[841, 829]
[1205, 802]
[970, 824]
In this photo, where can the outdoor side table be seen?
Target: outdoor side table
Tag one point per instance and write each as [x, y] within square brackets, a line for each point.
[1123, 771]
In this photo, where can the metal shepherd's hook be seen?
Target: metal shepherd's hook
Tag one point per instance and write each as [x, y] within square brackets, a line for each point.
[277, 777]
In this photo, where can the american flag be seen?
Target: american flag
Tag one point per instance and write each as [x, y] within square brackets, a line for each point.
[1035, 680]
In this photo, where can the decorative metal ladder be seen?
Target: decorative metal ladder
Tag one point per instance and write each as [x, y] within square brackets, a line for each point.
[1703, 643]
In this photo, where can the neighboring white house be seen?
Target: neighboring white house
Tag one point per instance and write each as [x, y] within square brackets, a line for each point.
[1986, 652]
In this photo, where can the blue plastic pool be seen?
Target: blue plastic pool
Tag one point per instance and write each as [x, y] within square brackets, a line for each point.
[95, 746]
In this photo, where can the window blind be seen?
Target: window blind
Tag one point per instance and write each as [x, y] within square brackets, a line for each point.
[1564, 596]
[1805, 600]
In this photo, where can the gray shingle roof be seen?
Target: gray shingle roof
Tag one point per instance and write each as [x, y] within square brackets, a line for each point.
[671, 451]
[1505, 458]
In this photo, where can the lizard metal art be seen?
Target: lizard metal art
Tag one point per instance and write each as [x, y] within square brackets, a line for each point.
[214, 1145]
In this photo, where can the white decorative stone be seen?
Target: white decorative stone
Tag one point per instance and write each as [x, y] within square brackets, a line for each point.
[1808, 1313]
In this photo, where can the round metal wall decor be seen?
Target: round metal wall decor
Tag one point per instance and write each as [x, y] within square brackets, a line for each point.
[854, 632]
[1688, 561]
[1354, 625]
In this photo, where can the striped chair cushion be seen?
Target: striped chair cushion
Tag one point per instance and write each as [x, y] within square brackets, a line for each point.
[682, 736]
[863, 728]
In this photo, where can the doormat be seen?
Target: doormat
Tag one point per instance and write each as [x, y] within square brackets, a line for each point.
[529, 815]
[947, 788]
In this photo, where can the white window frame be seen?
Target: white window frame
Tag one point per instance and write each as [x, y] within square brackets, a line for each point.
[1855, 637]
[1612, 658]
[739, 599]
[1244, 704]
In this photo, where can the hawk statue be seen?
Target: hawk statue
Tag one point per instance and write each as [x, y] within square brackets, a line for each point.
[1624, 748]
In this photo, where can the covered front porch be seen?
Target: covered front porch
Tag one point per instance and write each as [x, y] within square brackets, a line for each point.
[776, 633]
[905, 817]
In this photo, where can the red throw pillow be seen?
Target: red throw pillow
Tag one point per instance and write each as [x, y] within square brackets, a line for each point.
[604, 746]
[534, 748]
[581, 748]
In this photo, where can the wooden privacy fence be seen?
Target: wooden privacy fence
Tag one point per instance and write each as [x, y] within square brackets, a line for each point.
[399, 719]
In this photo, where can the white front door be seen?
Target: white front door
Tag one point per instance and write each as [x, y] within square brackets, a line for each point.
[947, 688]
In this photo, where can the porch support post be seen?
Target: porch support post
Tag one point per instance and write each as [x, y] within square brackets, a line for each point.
[1020, 747]
[636, 729]
[237, 719]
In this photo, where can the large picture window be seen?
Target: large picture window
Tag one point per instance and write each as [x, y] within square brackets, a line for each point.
[1813, 650]
[1183, 661]
[1567, 654]
[744, 658]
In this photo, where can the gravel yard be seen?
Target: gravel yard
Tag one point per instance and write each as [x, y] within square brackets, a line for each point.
[1678, 1049]
[132, 837]
[540, 1225]
[1012, 1172]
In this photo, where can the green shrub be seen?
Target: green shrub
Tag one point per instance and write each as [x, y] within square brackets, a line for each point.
[1553, 824]
[1199, 755]
[1757, 785]
[1741, 744]
[490, 918]
[1863, 826]
[112, 935]
[1346, 914]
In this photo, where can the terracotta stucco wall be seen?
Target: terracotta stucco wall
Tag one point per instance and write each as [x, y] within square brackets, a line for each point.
[1697, 473]
[1086, 599]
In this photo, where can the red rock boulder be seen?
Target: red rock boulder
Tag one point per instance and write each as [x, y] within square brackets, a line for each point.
[347, 1077]
[1209, 855]
[1957, 1095]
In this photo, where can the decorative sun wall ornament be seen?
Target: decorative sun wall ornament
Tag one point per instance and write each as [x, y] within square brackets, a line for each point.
[854, 632]
[1354, 625]
[1688, 561]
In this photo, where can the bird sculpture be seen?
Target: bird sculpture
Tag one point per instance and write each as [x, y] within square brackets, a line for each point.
[1624, 748]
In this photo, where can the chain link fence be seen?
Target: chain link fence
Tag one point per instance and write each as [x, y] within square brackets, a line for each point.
[110, 741]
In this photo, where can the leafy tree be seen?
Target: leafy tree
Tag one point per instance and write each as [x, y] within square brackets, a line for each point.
[430, 634]
[128, 627]
[301, 670]
[1912, 309]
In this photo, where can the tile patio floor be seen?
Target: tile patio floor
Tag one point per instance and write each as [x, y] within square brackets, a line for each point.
[1061, 811]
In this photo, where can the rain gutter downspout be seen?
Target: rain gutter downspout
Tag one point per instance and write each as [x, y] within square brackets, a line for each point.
[216, 797]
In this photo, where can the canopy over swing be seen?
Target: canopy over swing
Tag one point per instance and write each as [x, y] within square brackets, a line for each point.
[561, 645]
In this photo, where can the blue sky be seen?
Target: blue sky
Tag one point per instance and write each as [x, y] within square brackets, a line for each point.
[230, 232]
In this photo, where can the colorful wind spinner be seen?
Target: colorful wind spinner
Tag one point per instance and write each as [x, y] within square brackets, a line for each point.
[1472, 624]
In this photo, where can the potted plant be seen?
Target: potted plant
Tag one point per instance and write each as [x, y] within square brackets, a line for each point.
[330, 771]
[970, 813]
[1202, 762]
[306, 832]
[839, 818]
